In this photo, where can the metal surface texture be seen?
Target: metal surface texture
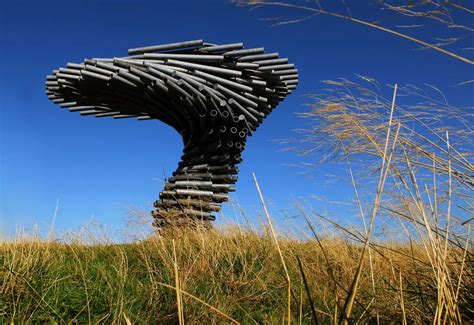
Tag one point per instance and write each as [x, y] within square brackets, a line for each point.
[214, 95]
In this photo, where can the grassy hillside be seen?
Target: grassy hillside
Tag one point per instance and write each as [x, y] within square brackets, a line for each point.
[225, 276]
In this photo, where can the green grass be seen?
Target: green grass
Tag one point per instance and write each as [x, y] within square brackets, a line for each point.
[237, 272]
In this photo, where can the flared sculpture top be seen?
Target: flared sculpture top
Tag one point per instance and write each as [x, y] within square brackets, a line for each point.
[213, 95]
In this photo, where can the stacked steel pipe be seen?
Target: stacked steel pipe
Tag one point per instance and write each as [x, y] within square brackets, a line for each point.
[215, 96]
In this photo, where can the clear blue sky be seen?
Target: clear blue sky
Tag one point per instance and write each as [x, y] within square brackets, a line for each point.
[99, 167]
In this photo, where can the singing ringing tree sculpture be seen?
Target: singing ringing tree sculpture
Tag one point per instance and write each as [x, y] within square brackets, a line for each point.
[215, 96]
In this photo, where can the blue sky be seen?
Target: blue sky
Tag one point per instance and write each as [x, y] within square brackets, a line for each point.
[98, 168]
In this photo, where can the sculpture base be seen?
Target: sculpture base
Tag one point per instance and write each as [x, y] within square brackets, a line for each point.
[193, 194]
[165, 223]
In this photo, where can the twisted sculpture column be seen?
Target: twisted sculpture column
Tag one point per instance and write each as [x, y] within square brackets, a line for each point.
[215, 96]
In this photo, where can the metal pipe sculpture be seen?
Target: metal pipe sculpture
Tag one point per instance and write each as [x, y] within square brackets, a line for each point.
[215, 96]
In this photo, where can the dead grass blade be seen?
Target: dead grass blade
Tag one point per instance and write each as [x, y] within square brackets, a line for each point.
[282, 259]
[357, 21]
[307, 290]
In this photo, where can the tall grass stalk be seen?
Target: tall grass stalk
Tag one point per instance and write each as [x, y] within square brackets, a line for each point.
[178, 290]
[386, 161]
[320, 11]
[272, 229]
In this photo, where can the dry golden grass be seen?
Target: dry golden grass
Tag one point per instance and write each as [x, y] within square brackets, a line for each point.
[225, 276]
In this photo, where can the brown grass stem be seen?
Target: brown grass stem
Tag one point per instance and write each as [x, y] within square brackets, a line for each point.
[358, 21]
[275, 238]
[178, 289]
